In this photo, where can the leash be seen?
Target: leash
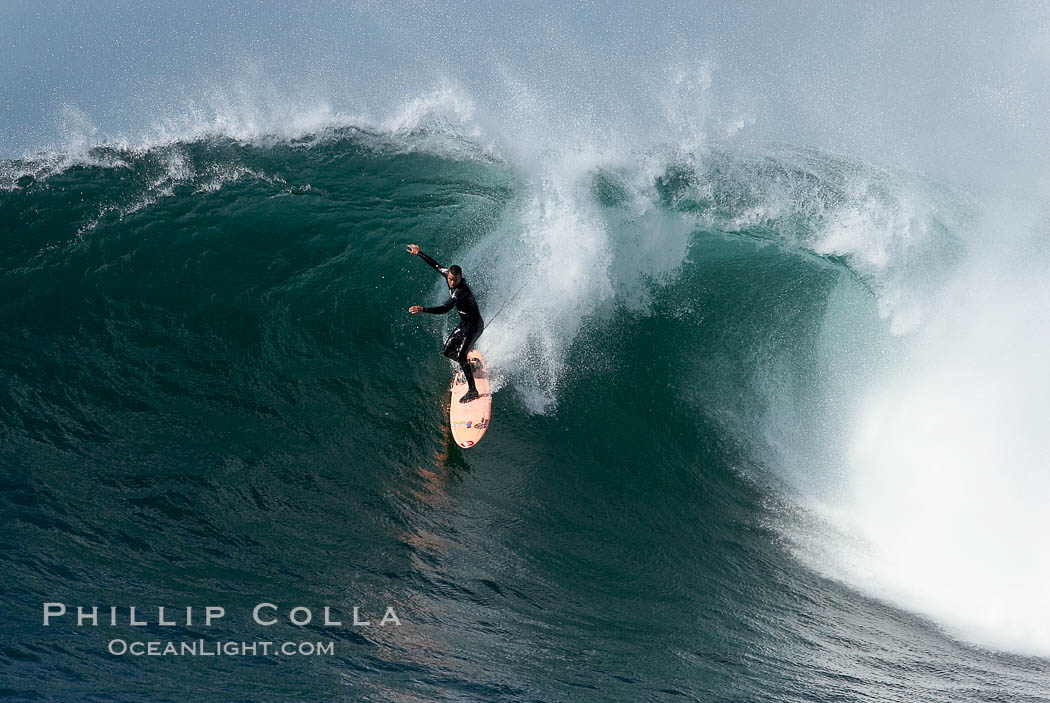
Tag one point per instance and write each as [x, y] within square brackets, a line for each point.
[504, 307]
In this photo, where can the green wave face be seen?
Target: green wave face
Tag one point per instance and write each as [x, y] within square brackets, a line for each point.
[210, 377]
[271, 279]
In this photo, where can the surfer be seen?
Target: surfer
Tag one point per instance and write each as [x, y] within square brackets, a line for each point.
[470, 326]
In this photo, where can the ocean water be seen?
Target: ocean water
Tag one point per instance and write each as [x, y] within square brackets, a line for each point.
[767, 332]
[741, 447]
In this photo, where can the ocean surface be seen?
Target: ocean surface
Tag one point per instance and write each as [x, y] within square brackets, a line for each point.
[769, 425]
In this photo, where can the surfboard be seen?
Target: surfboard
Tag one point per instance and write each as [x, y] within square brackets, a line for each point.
[470, 420]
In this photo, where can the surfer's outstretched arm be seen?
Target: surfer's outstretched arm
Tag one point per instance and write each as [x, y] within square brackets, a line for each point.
[435, 265]
[414, 250]
[440, 309]
[435, 309]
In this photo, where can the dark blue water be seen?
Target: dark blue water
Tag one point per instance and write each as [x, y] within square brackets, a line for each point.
[211, 394]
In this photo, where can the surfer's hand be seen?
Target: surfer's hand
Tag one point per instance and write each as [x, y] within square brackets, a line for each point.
[413, 249]
[416, 309]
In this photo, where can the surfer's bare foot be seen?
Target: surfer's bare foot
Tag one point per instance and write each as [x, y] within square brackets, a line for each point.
[469, 396]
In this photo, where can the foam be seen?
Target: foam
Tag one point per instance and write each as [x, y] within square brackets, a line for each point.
[938, 488]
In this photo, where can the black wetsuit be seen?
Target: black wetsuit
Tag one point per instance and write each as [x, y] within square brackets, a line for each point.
[470, 326]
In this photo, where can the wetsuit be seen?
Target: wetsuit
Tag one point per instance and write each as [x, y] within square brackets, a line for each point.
[470, 326]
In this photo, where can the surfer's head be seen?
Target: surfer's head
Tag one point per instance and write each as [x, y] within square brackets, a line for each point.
[454, 276]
